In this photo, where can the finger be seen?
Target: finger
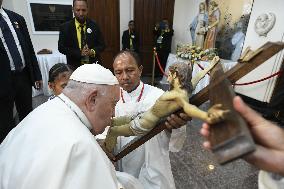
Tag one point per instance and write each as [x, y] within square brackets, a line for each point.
[175, 121]
[168, 126]
[185, 117]
[217, 106]
[206, 126]
[225, 113]
[246, 112]
[204, 132]
[207, 145]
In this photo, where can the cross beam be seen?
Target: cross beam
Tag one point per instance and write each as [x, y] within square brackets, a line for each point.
[230, 139]
[238, 71]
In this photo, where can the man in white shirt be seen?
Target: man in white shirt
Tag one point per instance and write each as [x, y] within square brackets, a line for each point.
[54, 146]
[150, 162]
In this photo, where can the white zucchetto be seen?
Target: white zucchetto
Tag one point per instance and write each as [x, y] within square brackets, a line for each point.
[94, 74]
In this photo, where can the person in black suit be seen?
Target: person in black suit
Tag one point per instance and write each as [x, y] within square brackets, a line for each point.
[163, 42]
[19, 69]
[130, 39]
[80, 39]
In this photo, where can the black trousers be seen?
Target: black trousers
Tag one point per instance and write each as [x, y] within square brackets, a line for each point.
[21, 95]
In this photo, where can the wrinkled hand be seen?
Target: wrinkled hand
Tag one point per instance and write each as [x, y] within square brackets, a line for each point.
[216, 114]
[269, 138]
[38, 85]
[176, 121]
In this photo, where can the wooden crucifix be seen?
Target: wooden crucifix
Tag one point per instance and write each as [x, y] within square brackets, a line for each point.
[247, 64]
[230, 138]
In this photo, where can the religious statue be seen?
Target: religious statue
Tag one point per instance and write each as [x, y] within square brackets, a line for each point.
[198, 26]
[214, 19]
[238, 41]
[181, 87]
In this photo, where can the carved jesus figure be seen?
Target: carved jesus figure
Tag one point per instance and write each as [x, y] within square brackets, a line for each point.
[181, 87]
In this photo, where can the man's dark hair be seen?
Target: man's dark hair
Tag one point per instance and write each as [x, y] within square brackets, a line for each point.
[184, 74]
[80, 0]
[131, 53]
[130, 22]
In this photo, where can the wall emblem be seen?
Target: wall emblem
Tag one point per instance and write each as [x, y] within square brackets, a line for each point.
[264, 23]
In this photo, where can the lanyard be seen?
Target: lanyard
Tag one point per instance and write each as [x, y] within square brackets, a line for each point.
[139, 97]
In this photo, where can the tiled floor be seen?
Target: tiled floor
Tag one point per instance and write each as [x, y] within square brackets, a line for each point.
[190, 166]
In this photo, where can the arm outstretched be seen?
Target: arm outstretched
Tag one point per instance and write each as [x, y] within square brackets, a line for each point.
[201, 74]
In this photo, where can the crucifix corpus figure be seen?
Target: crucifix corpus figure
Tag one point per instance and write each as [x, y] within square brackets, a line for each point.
[181, 86]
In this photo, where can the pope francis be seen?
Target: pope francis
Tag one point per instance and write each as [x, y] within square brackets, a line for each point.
[54, 146]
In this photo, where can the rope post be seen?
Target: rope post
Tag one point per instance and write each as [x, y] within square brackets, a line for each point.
[153, 66]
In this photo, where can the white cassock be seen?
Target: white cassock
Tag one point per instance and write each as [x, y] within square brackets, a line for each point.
[53, 148]
[150, 162]
[268, 180]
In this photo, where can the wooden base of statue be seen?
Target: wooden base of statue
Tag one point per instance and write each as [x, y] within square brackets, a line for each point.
[249, 63]
[230, 139]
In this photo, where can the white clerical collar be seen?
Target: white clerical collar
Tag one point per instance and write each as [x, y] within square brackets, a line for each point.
[78, 112]
[3, 13]
[137, 91]
[133, 95]
[1, 10]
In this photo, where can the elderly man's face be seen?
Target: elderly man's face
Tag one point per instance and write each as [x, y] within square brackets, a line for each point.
[127, 71]
[105, 102]
[80, 10]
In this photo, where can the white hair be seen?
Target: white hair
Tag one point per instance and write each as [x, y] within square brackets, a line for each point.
[80, 90]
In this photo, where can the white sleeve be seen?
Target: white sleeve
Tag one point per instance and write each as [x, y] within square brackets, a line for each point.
[88, 167]
[268, 180]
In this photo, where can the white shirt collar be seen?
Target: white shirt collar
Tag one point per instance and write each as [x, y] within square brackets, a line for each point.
[76, 110]
[1, 10]
[135, 92]
[3, 13]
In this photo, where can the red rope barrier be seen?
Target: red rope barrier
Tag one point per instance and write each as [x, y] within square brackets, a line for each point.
[161, 69]
[260, 80]
[235, 84]
[159, 64]
[201, 67]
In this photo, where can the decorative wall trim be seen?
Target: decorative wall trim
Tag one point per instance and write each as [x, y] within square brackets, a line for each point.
[264, 23]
